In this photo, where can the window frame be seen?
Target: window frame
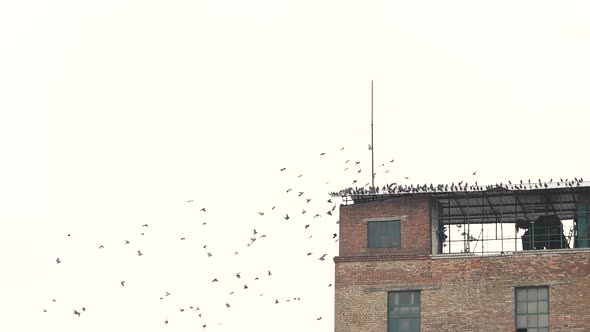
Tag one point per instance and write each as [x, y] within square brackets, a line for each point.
[393, 238]
[522, 307]
[393, 319]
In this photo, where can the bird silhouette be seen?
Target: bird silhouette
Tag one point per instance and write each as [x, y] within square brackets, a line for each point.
[323, 257]
[123, 283]
[139, 253]
[282, 169]
[203, 209]
[215, 280]
[286, 217]
[58, 260]
[238, 275]
[76, 312]
[101, 247]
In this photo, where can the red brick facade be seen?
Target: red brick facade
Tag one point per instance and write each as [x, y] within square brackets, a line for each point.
[458, 293]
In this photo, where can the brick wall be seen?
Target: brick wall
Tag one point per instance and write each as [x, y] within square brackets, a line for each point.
[460, 293]
[412, 211]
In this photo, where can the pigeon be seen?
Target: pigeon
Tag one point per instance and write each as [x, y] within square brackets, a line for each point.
[215, 280]
[203, 209]
[139, 253]
[323, 257]
[286, 217]
[77, 313]
[238, 275]
[101, 247]
[282, 169]
[123, 283]
[58, 260]
[144, 225]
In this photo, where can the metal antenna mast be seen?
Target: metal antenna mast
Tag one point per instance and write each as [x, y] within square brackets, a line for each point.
[372, 146]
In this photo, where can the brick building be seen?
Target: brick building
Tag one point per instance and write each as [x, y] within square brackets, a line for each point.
[501, 258]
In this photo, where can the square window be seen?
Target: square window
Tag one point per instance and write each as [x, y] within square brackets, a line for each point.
[383, 234]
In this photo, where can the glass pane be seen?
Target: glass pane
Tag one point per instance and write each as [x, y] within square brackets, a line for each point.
[543, 307]
[415, 324]
[544, 320]
[415, 311]
[404, 324]
[543, 329]
[521, 294]
[404, 298]
[393, 325]
[404, 311]
[416, 298]
[543, 293]
[521, 308]
[395, 312]
[520, 321]
[532, 307]
[532, 294]
[531, 320]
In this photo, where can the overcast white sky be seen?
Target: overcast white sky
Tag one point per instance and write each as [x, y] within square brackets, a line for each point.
[114, 114]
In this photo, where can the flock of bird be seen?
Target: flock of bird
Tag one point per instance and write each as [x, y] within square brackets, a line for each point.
[461, 186]
[311, 208]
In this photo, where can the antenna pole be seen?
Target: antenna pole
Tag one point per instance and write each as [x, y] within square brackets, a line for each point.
[372, 146]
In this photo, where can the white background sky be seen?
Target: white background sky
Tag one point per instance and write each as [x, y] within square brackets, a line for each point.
[114, 114]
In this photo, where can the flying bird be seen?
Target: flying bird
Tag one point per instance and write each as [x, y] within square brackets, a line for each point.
[215, 280]
[323, 257]
[58, 260]
[144, 225]
[282, 169]
[203, 209]
[101, 247]
[76, 312]
[123, 283]
[139, 253]
[370, 147]
[286, 217]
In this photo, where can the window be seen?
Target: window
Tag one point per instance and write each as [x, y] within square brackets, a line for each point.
[532, 309]
[403, 314]
[383, 234]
